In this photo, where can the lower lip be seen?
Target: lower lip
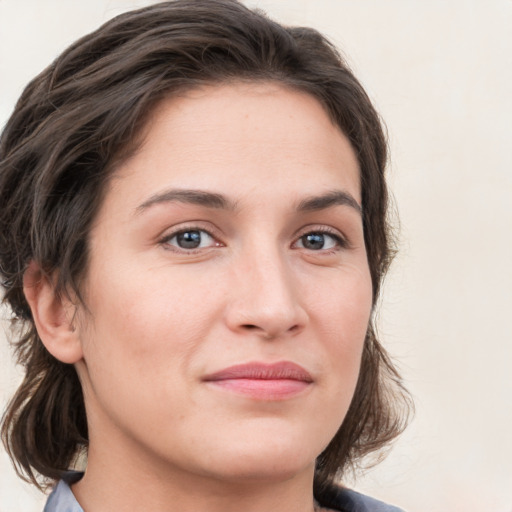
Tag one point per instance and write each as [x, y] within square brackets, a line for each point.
[263, 389]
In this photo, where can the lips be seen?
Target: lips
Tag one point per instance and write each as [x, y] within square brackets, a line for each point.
[262, 381]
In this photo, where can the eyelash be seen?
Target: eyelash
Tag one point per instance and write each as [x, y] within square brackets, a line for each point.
[165, 241]
[341, 242]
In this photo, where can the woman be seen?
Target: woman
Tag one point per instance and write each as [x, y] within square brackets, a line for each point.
[193, 237]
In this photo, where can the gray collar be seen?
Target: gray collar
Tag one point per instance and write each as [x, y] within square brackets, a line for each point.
[62, 498]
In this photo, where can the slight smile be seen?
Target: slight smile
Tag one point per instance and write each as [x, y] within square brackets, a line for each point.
[261, 381]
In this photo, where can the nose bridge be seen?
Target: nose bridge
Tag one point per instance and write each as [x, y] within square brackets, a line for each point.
[272, 277]
[265, 298]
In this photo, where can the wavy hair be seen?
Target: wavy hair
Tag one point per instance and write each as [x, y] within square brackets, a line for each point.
[81, 116]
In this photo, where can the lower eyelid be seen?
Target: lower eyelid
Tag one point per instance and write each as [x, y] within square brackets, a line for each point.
[341, 241]
[165, 240]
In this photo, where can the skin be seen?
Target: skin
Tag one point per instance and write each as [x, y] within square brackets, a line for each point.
[160, 317]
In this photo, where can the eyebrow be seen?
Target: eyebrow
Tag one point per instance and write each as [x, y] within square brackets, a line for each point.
[332, 198]
[198, 197]
[219, 201]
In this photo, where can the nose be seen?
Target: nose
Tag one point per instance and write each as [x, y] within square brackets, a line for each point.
[265, 298]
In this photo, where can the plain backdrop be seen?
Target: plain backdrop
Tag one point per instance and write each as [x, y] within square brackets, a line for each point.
[440, 72]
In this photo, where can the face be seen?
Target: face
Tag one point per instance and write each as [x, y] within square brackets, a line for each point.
[228, 293]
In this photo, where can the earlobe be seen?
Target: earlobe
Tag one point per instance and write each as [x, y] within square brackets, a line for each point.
[53, 315]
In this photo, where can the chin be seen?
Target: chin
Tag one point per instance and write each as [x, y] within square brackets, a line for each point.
[256, 469]
[274, 456]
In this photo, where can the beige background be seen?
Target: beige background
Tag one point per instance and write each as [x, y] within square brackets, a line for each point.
[440, 72]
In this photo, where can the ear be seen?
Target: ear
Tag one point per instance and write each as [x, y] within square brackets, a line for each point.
[53, 315]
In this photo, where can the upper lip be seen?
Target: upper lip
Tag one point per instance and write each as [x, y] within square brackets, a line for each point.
[283, 370]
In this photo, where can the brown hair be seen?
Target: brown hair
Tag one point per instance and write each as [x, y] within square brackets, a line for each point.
[80, 117]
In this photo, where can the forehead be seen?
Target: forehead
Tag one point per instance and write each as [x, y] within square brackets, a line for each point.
[234, 136]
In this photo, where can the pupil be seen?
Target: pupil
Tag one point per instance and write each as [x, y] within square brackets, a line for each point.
[313, 241]
[189, 239]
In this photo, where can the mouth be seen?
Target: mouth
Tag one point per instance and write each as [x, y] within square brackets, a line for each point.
[260, 381]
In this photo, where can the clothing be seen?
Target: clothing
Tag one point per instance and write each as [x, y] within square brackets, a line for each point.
[342, 500]
[346, 500]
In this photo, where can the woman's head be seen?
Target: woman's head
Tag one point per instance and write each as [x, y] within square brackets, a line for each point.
[80, 126]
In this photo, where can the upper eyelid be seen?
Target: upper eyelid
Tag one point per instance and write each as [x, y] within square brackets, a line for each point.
[188, 226]
[341, 242]
[165, 239]
[321, 229]
[173, 234]
[216, 234]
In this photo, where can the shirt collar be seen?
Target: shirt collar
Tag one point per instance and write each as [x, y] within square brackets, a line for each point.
[62, 498]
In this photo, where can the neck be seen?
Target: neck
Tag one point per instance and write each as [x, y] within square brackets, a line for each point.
[114, 483]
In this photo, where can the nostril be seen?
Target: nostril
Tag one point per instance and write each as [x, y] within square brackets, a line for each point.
[249, 326]
[268, 334]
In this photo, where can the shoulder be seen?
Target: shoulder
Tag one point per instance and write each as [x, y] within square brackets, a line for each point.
[62, 499]
[346, 500]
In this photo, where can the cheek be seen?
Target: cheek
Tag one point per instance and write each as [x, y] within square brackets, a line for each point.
[148, 320]
[345, 307]
[342, 317]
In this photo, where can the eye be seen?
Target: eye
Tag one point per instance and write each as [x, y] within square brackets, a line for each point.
[189, 239]
[319, 240]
